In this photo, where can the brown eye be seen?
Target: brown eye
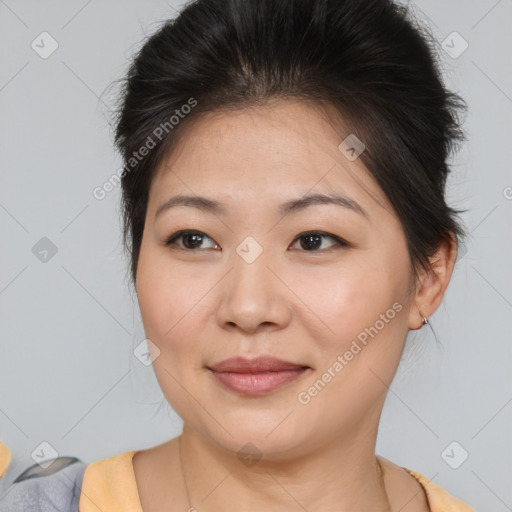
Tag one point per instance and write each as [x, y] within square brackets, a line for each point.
[312, 241]
[191, 240]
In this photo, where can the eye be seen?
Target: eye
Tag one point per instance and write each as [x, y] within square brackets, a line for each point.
[192, 240]
[311, 241]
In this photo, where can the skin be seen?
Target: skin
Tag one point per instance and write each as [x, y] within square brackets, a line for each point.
[301, 304]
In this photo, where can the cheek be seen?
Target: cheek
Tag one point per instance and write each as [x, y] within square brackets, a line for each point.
[364, 308]
[166, 298]
[177, 301]
[342, 302]
[359, 351]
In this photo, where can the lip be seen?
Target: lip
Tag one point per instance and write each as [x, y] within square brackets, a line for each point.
[257, 376]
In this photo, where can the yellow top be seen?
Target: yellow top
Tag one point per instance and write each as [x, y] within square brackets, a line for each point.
[109, 484]
[5, 458]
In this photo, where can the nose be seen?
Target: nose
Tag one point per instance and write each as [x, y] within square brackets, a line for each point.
[253, 297]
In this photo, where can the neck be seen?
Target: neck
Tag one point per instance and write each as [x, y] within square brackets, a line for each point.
[342, 477]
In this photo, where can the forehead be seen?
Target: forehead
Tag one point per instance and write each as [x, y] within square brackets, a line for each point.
[282, 148]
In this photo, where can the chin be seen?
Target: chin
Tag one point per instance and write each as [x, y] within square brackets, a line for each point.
[271, 436]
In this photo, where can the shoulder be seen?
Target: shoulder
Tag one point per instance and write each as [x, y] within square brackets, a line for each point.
[52, 485]
[440, 500]
[423, 492]
[109, 484]
[67, 484]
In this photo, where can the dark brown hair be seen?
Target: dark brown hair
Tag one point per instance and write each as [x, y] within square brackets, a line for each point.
[367, 59]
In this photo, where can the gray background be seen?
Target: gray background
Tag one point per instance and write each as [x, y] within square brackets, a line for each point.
[68, 325]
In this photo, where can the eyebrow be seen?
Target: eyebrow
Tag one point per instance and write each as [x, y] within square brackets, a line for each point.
[292, 206]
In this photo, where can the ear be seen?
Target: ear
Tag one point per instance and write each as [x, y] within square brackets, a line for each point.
[432, 284]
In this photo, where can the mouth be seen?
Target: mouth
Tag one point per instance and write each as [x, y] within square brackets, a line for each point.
[258, 376]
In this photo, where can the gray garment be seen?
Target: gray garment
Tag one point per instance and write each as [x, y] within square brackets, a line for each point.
[34, 489]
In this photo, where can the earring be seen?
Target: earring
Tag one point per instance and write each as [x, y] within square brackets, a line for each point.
[424, 319]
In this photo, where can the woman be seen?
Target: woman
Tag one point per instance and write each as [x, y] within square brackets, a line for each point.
[284, 212]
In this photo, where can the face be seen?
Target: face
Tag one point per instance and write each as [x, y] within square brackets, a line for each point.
[324, 287]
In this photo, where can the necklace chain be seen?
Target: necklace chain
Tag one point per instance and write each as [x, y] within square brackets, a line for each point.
[192, 509]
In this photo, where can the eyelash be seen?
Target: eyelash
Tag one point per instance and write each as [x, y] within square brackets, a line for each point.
[340, 243]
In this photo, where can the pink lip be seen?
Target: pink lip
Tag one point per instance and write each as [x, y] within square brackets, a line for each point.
[256, 376]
